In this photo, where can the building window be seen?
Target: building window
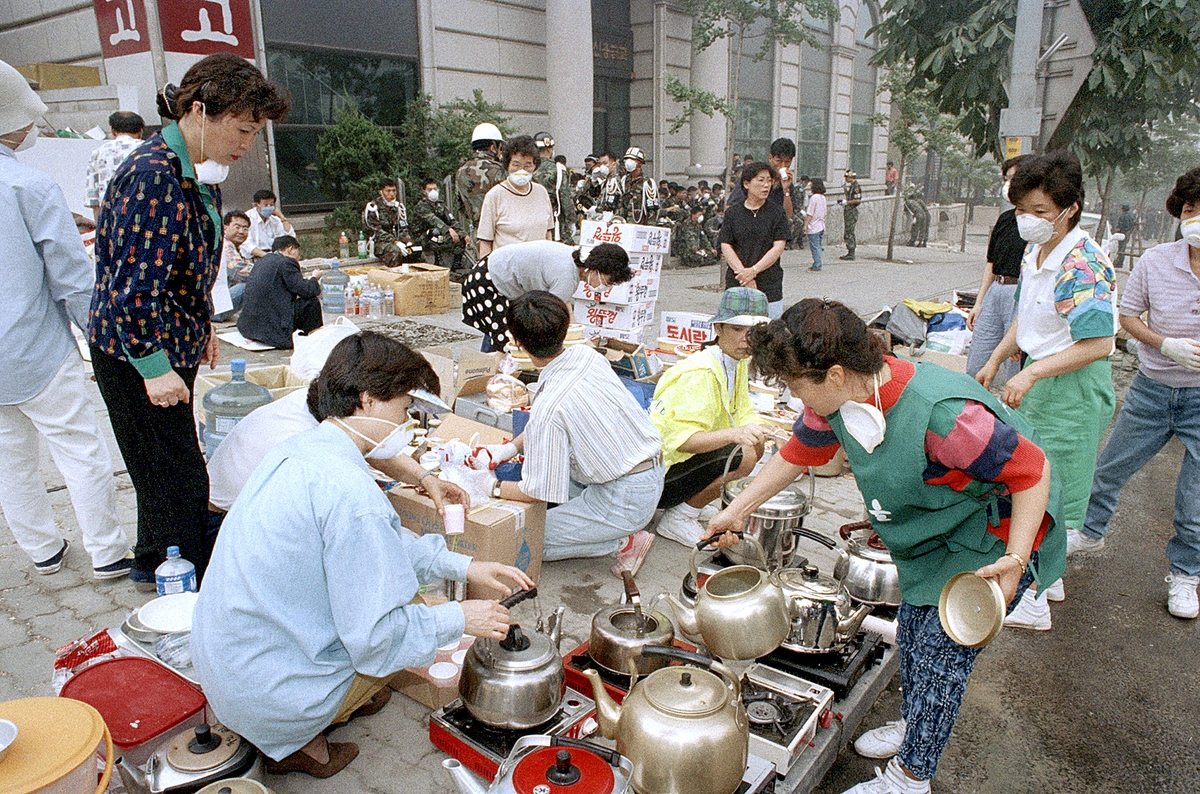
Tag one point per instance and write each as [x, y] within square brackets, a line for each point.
[862, 131]
[813, 143]
[756, 90]
[610, 115]
[753, 128]
[322, 83]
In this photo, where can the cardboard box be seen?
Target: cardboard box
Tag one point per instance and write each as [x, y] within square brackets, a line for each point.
[278, 379]
[592, 333]
[641, 289]
[424, 289]
[615, 316]
[634, 239]
[417, 684]
[630, 360]
[466, 372]
[689, 327]
[509, 532]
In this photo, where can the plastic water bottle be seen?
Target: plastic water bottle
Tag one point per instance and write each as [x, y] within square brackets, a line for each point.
[389, 303]
[362, 245]
[333, 290]
[176, 575]
[228, 403]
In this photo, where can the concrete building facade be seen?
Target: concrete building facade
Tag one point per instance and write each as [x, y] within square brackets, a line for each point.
[592, 72]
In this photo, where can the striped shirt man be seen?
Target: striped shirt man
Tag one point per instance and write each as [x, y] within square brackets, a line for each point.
[585, 426]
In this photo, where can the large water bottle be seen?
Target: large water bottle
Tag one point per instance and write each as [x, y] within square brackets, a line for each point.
[176, 575]
[227, 404]
[333, 290]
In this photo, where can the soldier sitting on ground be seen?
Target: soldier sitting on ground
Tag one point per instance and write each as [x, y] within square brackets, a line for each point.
[695, 248]
[433, 225]
[386, 222]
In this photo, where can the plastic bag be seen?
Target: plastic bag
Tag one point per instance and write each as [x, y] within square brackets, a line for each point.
[69, 659]
[953, 342]
[310, 351]
[505, 393]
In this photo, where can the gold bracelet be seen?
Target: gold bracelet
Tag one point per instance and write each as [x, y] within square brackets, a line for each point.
[1017, 557]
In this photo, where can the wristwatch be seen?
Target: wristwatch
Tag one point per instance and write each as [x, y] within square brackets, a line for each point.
[496, 489]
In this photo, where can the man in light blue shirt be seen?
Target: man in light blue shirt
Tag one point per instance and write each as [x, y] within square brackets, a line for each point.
[306, 608]
[48, 281]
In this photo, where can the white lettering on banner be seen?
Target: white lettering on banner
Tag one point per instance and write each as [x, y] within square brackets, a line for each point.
[206, 32]
[123, 33]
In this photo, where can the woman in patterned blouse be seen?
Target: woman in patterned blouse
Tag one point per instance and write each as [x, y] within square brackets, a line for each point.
[158, 248]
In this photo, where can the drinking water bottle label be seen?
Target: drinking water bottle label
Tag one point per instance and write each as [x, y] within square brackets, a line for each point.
[182, 583]
[225, 424]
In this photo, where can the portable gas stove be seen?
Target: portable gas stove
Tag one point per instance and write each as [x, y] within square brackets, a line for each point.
[784, 712]
[759, 777]
[617, 686]
[481, 748]
[839, 670]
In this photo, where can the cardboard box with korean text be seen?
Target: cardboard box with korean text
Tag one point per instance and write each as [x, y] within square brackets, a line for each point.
[689, 327]
[591, 333]
[424, 289]
[634, 239]
[614, 315]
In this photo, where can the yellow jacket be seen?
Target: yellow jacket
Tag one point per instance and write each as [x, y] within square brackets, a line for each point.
[692, 397]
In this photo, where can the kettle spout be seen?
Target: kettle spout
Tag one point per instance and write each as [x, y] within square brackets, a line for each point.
[555, 625]
[848, 627]
[467, 783]
[686, 616]
[608, 713]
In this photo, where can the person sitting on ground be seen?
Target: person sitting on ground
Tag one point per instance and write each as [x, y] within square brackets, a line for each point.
[509, 272]
[308, 609]
[386, 223]
[237, 267]
[278, 299]
[585, 430]
[695, 248]
[266, 223]
[703, 414]
[433, 225]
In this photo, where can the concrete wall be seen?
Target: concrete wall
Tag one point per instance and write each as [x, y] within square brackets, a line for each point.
[84, 108]
[58, 31]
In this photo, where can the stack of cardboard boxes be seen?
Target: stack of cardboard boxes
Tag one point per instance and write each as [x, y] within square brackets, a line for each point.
[623, 311]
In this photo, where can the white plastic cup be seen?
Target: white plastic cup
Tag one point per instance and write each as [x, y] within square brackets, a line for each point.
[455, 520]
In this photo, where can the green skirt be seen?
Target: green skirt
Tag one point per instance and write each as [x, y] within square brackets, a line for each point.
[1070, 413]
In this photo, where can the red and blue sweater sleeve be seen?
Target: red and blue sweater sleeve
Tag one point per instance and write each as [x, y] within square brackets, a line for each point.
[813, 442]
[965, 441]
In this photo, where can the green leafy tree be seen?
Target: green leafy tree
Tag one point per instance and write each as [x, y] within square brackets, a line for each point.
[1175, 148]
[352, 156]
[434, 141]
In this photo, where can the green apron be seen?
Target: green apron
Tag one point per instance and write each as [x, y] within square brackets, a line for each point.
[933, 531]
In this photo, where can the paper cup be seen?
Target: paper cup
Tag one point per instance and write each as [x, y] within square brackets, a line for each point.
[455, 520]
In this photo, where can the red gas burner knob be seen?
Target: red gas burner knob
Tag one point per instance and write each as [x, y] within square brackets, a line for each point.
[826, 719]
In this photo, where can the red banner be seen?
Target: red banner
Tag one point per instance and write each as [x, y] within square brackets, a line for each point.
[122, 25]
[202, 27]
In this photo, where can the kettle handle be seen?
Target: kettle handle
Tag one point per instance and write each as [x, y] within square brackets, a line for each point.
[700, 547]
[699, 660]
[611, 756]
[519, 596]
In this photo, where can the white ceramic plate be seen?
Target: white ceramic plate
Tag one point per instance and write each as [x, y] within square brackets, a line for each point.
[169, 614]
[8, 735]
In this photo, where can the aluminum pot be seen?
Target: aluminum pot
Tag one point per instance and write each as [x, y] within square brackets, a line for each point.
[774, 523]
[517, 682]
[619, 633]
[865, 567]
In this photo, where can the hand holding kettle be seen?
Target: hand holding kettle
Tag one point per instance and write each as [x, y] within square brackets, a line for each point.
[489, 619]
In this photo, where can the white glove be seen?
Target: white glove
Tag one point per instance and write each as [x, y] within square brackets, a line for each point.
[1185, 352]
[498, 453]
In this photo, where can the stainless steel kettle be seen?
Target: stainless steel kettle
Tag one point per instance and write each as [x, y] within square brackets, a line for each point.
[517, 682]
[620, 631]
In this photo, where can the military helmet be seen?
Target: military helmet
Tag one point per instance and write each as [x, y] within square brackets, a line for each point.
[851, 174]
[591, 157]
[636, 153]
[486, 132]
[543, 140]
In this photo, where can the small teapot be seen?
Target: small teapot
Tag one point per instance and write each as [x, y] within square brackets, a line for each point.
[740, 611]
[823, 618]
[684, 728]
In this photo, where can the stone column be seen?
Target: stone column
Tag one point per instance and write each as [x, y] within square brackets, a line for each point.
[710, 72]
[569, 82]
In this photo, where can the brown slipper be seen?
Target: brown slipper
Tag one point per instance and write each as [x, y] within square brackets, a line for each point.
[340, 754]
[372, 706]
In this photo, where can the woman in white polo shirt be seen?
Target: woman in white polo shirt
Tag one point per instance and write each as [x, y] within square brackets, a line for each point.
[1064, 328]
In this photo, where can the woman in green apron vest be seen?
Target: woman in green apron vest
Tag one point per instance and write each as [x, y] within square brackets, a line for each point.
[1064, 327]
[953, 481]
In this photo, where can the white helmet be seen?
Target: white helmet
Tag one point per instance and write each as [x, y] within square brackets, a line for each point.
[486, 132]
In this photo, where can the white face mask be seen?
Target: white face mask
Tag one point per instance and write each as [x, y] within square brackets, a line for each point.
[602, 170]
[208, 172]
[392, 444]
[865, 422]
[630, 164]
[1037, 230]
[520, 178]
[433, 195]
[1190, 229]
[1004, 192]
[29, 140]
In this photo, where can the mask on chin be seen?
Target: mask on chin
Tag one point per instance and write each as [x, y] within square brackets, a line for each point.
[392, 444]
[865, 422]
[208, 172]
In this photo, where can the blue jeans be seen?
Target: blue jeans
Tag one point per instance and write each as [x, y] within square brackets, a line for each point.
[991, 324]
[236, 293]
[933, 678]
[814, 245]
[1152, 414]
[596, 522]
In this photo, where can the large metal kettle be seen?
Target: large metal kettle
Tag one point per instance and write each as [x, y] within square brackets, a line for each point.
[517, 682]
[684, 728]
[620, 631]
[549, 764]
[866, 568]
[823, 617]
[740, 611]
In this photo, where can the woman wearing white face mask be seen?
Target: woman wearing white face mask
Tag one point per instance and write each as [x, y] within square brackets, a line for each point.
[1163, 399]
[158, 250]
[310, 606]
[1064, 327]
[951, 481]
[518, 209]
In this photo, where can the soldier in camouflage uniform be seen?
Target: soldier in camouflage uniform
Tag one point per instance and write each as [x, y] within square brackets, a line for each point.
[914, 205]
[695, 248]
[386, 222]
[712, 225]
[639, 203]
[606, 184]
[852, 197]
[556, 179]
[433, 224]
[475, 177]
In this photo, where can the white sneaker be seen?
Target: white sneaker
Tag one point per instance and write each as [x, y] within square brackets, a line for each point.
[891, 780]
[1077, 543]
[1181, 600]
[681, 524]
[1032, 613]
[882, 742]
[1055, 592]
[709, 511]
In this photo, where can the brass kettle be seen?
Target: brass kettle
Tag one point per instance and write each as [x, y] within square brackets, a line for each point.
[684, 728]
